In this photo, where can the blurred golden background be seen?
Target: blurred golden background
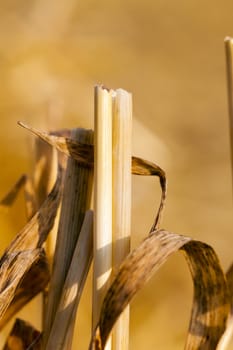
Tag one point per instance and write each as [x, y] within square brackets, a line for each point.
[170, 55]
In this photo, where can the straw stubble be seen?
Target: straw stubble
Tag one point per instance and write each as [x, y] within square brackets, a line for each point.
[102, 266]
[76, 200]
[121, 220]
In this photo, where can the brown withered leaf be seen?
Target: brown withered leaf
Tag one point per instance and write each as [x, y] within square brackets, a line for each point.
[23, 274]
[146, 168]
[211, 304]
[15, 268]
[34, 281]
[211, 301]
[84, 153]
[23, 336]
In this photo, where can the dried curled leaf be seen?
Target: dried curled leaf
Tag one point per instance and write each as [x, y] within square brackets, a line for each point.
[143, 167]
[84, 153]
[18, 259]
[23, 274]
[211, 302]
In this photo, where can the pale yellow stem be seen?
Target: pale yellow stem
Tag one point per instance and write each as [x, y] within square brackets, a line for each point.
[102, 267]
[122, 139]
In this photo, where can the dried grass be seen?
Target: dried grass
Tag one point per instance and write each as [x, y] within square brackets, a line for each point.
[24, 268]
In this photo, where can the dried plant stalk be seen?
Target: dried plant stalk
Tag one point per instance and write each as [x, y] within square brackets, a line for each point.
[102, 267]
[76, 200]
[229, 69]
[121, 201]
[62, 331]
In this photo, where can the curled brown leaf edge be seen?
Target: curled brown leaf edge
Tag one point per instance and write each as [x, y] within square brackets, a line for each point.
[211, 302]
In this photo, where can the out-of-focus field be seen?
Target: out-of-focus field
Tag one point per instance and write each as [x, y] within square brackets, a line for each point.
[170, 55]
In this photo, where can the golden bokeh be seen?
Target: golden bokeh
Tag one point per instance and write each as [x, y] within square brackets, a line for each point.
[170, 55]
